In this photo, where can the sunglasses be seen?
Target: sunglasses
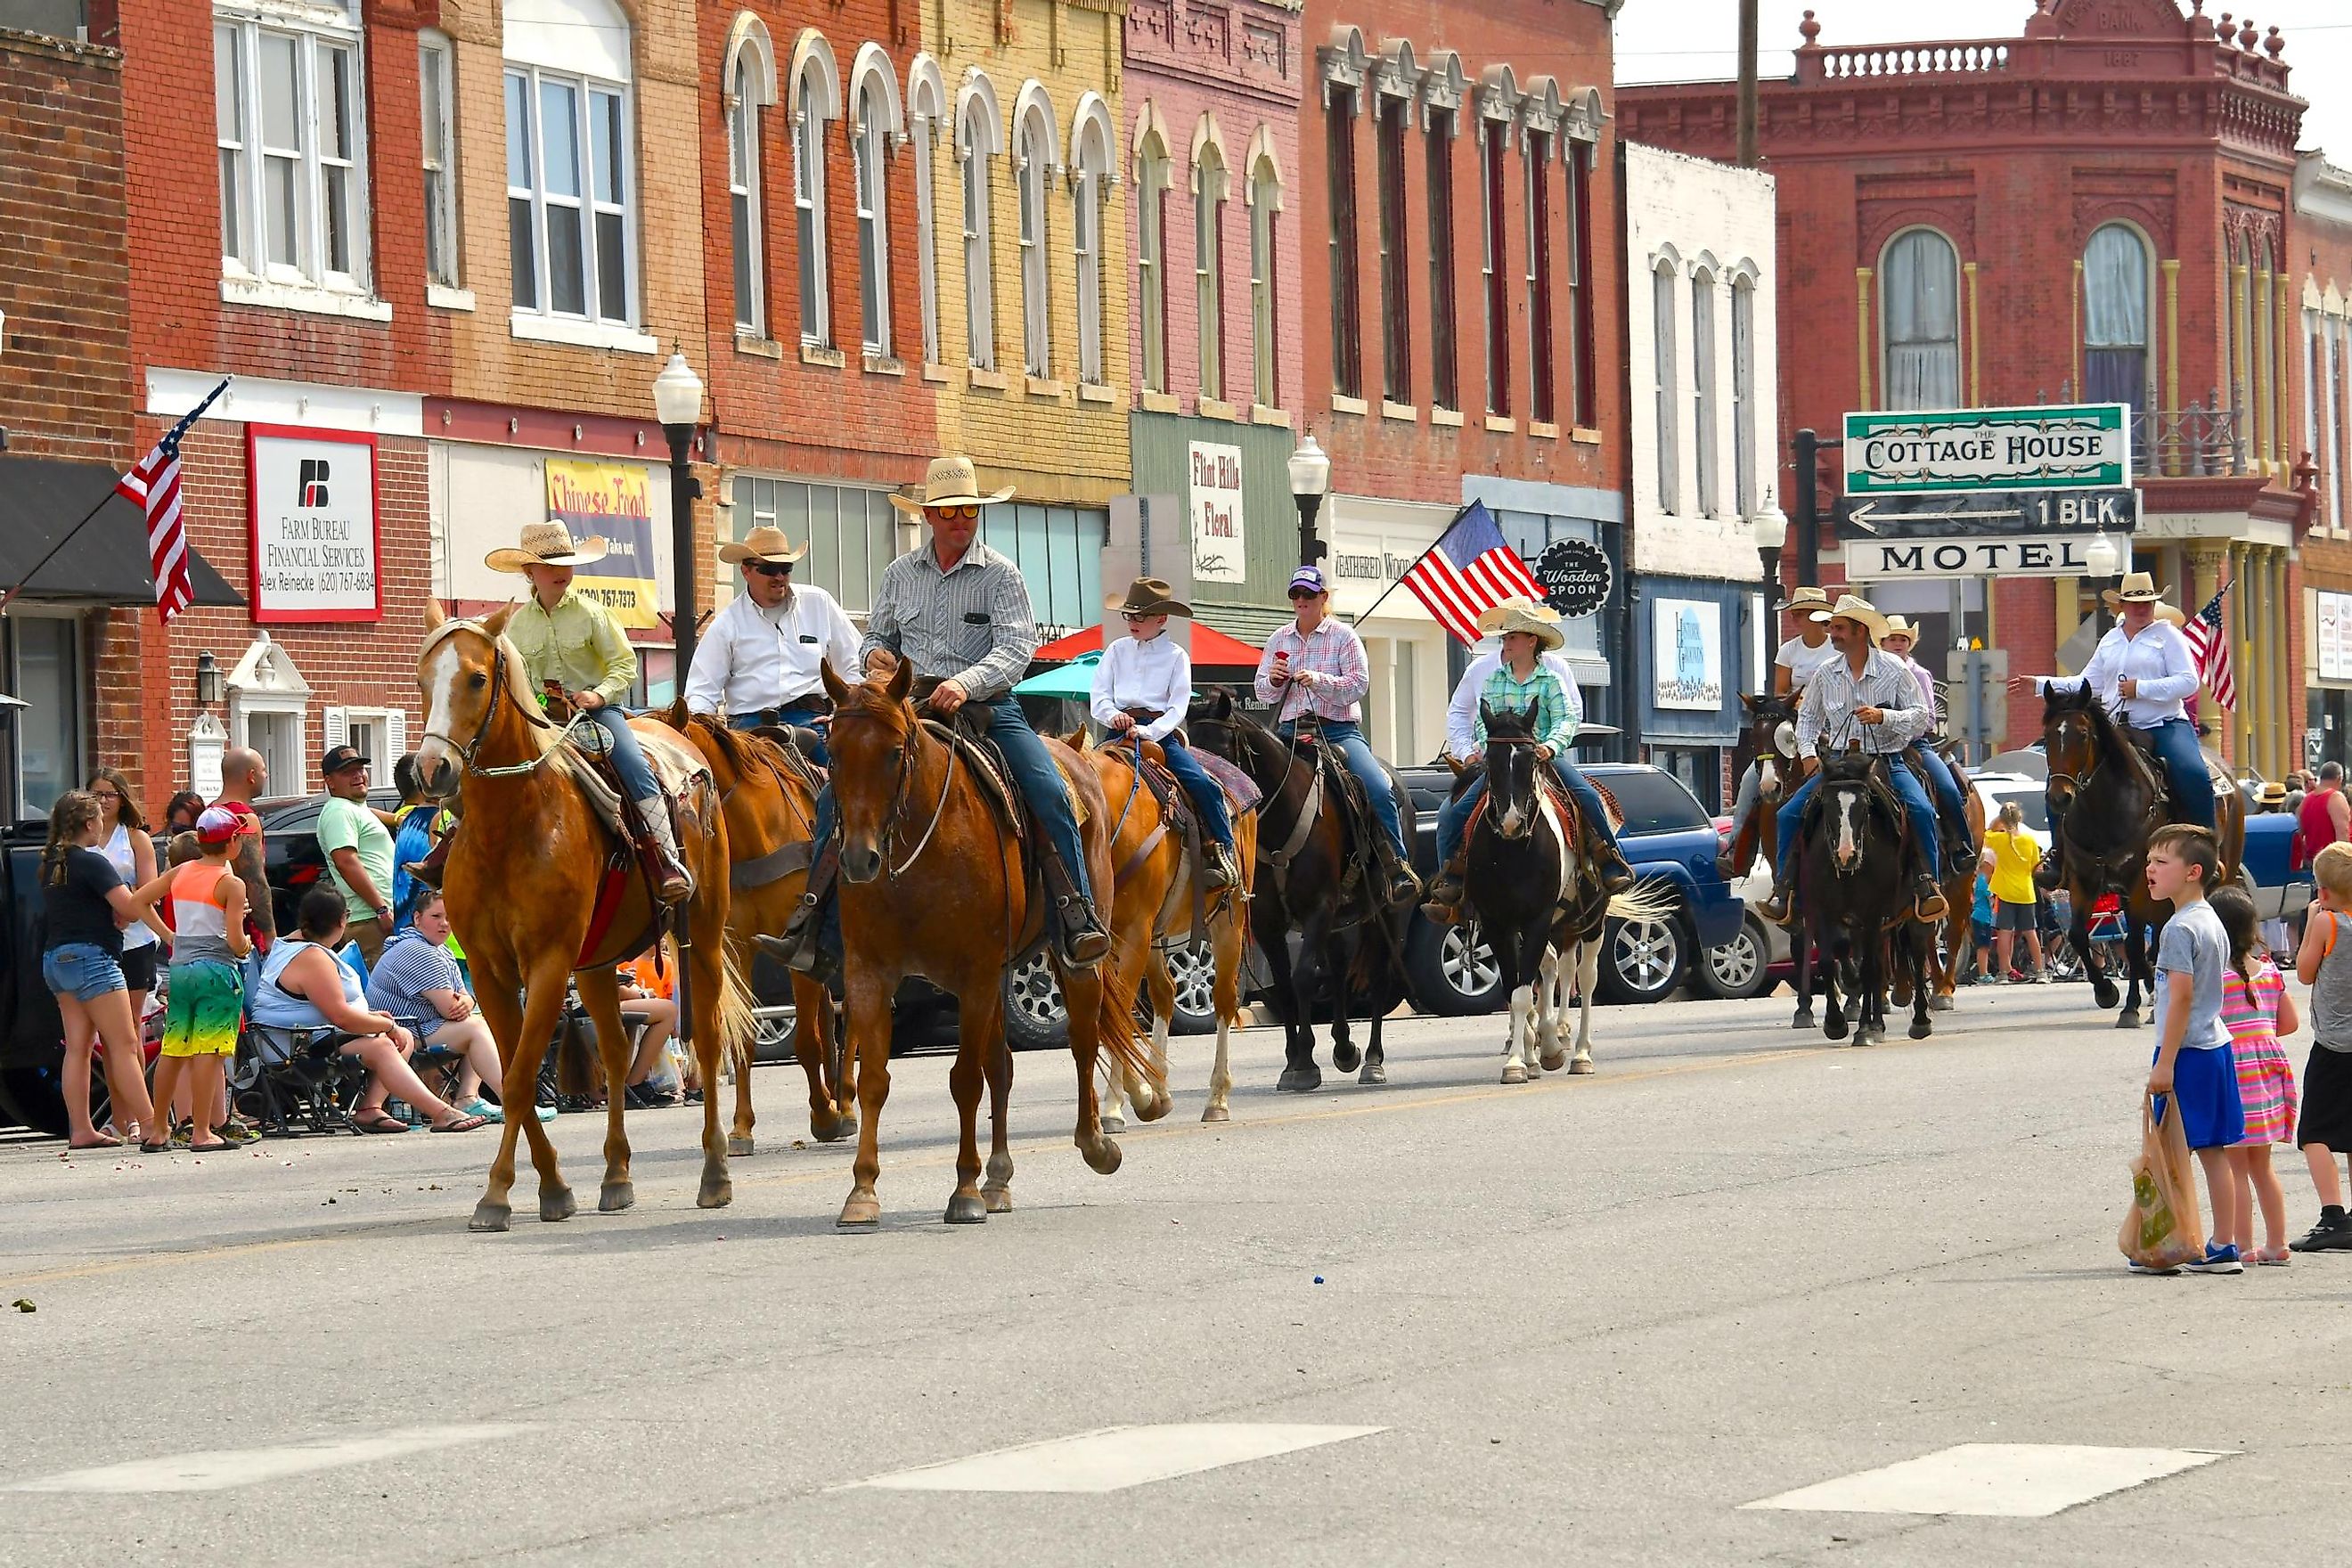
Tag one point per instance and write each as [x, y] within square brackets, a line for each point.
[947, 512]
[771, 568]
[1300, 595]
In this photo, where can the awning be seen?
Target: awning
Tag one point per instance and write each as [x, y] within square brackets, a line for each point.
[106, 562]
[1210, 645]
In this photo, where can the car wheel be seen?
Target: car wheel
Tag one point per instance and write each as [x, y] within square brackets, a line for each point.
[1451, 970]
[1035, 1018]
[1737, 969]
[1644, 961]
[772, 1034]
[1193, 968]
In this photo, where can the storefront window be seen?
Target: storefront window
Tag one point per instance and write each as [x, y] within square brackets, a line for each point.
[45, 672]
[849, 530]
[1058, 549]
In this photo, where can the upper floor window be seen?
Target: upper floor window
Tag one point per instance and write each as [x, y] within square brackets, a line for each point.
[1661, 327]
[1743, 395]
[1265, 202]
[1540, 369]
[976, 140]
[1151, 258]
[1209, 266]
[1703, 433]
[745, 99]
[1391, 116]
[1032, 175]
[1444, 373]
[2116, 284]
[1091, 176]
[287, 108]
[1583, 364]
[815, 100]
[435, 93]
[1493, 146]
[877, 117]
[1340, 167]
[571, 190]
[925, 106]
[1919, 288]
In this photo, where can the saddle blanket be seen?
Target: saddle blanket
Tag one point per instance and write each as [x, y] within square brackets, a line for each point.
[1239, 787]
[676, 766]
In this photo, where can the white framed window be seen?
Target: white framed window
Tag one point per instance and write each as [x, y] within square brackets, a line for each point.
[1033, 173]
[436, 91]
[743, 197]
[927, 108]
[289, 126]
[1743, 393]
[808, 209]
[380, 734]
[1265, 202]
[976, 138]
[1087, 201]
[1919, 283]
[1207, 265]
[1662, 314]
[570, 198]
[873, 149]
[1703, 399]
[1151, 258]
[2117, 297]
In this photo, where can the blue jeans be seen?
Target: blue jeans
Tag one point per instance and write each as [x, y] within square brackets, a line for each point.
[1455, 816]
[793, 716]
[1906, 789]
[1940, 780]
[628, 762]
[1367, 768]
[1208, 797]
[2184, 769]
[82, 970]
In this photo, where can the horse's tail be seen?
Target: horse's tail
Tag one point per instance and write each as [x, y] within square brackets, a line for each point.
[1652, 898]
[1114, 1029]
[737, 1023]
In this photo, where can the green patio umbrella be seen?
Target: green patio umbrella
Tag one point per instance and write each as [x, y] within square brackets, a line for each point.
[1076, 678]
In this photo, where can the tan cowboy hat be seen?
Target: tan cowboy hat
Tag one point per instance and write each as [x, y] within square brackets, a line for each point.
[1854, 607]
[763, 544]
[549, 544]
[2274, 794]
[1807, 599]
[1150, 596]
[2139, 588]
[1900, 627]
[1544, 627]
[1490, 619]
[2164, 612]
[951, 481]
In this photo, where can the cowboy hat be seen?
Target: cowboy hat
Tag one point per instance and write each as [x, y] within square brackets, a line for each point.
[1150, 596]
[951, 481]
[2139, 588]
[1855, 609]
[1900, 627]
[1490, 619]
[1544, 628]
[549, 544]
[1807, 599]
[2274, 794]
[763, 544]
[2114, 601]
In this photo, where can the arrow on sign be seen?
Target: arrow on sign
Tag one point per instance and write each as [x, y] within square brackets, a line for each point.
[1861, 516]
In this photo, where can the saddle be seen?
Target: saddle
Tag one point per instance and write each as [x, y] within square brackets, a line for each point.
[965, 731]
[2143, 742]
[585, 759]
[1571, 823]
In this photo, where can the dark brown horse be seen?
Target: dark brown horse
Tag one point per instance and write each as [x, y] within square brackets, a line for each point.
[527, 891]
[2108, 794]
[909, 802]
[1853, 863]
[1769, 740]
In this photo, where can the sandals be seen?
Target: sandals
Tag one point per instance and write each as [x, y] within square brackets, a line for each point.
[101, 1142]
[463, 1124]
[163, 1148]
[378, 1120]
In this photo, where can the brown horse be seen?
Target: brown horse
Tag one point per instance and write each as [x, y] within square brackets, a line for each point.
[527, 891]
[771, 807]
[904, 793]
[1770, 741]
[1153, 902]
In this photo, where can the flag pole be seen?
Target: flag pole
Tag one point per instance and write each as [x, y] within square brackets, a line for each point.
[1366, 613]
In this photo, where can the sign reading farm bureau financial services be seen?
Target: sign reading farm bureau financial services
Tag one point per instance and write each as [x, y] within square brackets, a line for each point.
[2078, 447]
[313, 521]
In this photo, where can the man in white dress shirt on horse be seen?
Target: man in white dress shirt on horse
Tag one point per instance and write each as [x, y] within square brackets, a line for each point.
[760, 660]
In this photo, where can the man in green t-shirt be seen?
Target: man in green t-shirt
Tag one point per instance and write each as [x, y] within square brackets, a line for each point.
[358, 848]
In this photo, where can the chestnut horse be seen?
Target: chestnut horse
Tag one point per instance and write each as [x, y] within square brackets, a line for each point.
[523, 879]
[904, 793]
[771, 809]
[1154, 901]
[1769, 740]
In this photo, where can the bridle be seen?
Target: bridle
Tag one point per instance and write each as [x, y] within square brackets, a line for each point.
[2062, 729]
[900, 794]
[500, 690]
[1493, 814]
[1302, 826]
[1861, 787]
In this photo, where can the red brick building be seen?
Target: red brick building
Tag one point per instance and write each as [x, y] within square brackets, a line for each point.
[2097, 210]
[1456, 196]
[2323, 242]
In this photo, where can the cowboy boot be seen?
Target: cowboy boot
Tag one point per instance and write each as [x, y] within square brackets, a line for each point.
[676, 884]
[1403, 886]
[1443, 906]
[1735, 861]
[1081, 940]
[430, 869]
[1928, 899]
[1776, 908]
[1223, 870]
[1616, 875]
[802, 948]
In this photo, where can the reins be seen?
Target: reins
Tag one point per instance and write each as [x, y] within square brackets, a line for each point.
[500, 688]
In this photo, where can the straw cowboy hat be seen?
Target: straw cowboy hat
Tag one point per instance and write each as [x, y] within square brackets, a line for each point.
[951, 481]
[1855, 609]
[1539, 622]
[2139, 588]
[1807, 599]
[2164, 612]
[1490, 619]
[549, 544]
[2273, 793]
[1900, 627]
[1150, 596]
[763, 544]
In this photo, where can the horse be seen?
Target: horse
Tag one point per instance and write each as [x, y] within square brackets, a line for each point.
[1156, 911]
[1523, 878]
[770, 799]
[542, 892]
[902, 790]
[1958, 886]
[1769, 740]
[1301, 883]
[2111, 795]
[1850, 858]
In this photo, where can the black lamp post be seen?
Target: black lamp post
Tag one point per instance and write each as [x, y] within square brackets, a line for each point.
[1310, 480]
[677, 404]
[1770, 529]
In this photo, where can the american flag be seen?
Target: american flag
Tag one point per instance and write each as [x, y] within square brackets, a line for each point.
[1470, 569]
[2210, 643]
[153, 486]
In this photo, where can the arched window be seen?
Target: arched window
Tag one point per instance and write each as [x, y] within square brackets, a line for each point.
[1264, 202]
[927, 105]
[1662, 325]
[1703, 398]
[878, 117]
[1092, 166]
[752, 88]
[2115, 277]
[976, 139]
[1033, 173]
[1207, 265]
[1919, 294]
[817, 98]
[1743, 393]
[1151, 257]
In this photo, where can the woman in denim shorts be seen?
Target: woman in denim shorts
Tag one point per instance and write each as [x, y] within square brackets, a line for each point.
[84, 907]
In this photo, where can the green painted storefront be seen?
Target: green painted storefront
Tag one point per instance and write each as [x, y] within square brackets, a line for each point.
[1249, 610]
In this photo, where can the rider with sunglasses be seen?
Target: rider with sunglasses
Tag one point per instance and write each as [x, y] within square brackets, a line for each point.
[763, 656]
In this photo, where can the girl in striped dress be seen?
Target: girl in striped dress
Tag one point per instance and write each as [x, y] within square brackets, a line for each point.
[2258, 1010]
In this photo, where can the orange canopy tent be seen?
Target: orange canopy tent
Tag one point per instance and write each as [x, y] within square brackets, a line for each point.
[1210, 646]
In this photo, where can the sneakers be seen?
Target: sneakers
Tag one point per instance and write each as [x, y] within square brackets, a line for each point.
[2136, 1267]
[2040, 977]
[2217, 1260]
[2331, 1233]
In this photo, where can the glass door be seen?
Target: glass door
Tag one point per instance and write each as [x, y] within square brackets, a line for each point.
[44, 657]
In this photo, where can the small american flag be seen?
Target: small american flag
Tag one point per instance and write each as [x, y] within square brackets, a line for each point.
[1470, 569]
[2210, 643]
[153, 487]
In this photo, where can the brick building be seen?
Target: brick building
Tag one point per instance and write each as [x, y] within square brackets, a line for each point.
[2099, 210]
[2322, 241]
[1463, 339]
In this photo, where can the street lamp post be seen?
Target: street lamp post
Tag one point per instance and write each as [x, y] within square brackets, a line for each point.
[1310, 480]
[677, 404]
[1770, 529]
[2103, 558]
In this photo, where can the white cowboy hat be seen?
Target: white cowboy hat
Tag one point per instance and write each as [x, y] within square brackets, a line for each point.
[951, 481]
[763, 544]
[2164, 612]
[1900, 627]
[1490, 619]
[1807, 599]
[549, 544]
[1543, 627]
[2139, 588]
[1855, 609]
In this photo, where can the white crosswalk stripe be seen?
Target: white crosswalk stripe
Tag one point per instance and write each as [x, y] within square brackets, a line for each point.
[1115, 1458]
[2016, 1481]
[219, 1469]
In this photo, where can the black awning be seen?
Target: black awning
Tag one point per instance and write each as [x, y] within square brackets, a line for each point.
[106, 562]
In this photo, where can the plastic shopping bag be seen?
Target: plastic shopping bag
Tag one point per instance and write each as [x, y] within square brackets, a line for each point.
[2162, 1230]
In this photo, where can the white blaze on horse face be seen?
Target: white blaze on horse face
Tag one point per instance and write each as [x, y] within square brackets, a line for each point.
[440, 685]
[1768, 775]
[1849, 836]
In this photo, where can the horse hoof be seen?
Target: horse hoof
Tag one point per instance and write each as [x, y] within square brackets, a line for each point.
[862, 1212]
[1299, 1080]
[1553, 1060]
[1216, 1113]
[2103, 993]
[832, 1130]
[1579, 1066]
[1835, 1028]
[1112, 1121]
[1373, 1073]
[965, 1208]
[1156, 1109]
[557, 1205]
[999, 1200]
[1345, 1055]
[1803, 1020]
[1939, 1004]
[739, 1145]
[491, 1216]
[1921, 1028]
[1103, 1156]
[2128, 1018]
[616, 1196]
[1514, 1071]
[715, 1194]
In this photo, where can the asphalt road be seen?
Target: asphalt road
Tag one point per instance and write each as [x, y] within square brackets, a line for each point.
[1585, 1320]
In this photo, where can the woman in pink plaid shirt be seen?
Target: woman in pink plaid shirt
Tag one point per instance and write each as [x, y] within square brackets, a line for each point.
[1317, 664]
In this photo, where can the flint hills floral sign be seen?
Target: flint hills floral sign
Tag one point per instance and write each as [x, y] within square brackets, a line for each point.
[2074, 447]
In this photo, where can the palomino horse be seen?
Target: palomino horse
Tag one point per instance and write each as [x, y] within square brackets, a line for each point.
[771, 808]
[904, 792]
[1852, 866]
[1155, 910]
[1522, 876]
[1351, 945]
[1959, 887]
[530, 899]
[2111, 798]
[1769, 740]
